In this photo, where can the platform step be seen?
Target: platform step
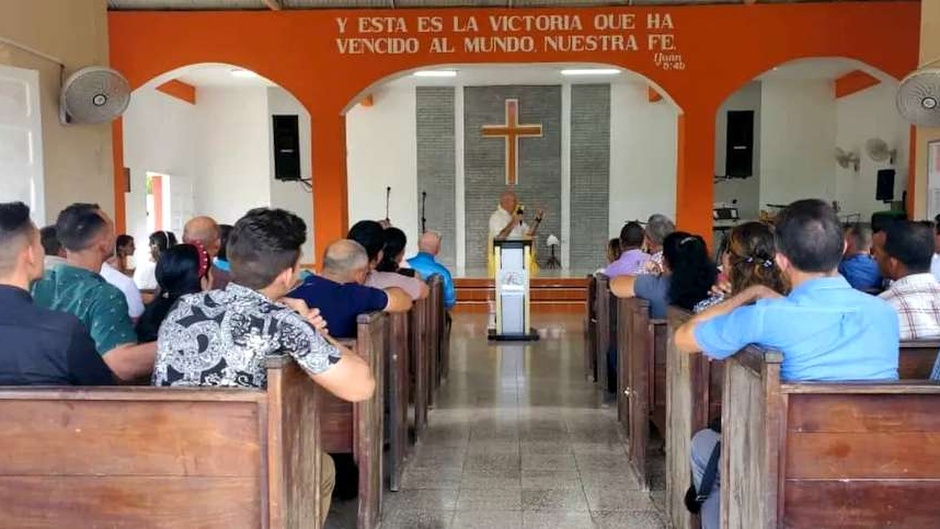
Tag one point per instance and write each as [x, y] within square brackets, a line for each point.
[551, 294]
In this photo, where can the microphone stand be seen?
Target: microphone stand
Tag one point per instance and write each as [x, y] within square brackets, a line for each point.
[388, 195]
[424, 221]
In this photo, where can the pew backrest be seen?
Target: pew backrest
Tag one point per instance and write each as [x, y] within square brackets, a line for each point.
[397, 382]
[603, 328]
[917, 357]
[590, 331]
[420, 356]
[137, 456]
[850, 454]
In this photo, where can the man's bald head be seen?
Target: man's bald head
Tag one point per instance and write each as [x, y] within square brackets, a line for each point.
[345, 261]
[508, 200]
[430, 243]
[206, 231]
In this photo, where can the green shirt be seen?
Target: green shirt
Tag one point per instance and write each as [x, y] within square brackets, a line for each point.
[100, 306]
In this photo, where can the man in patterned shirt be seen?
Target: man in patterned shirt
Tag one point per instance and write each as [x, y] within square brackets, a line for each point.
[904, 255]
[221, 337]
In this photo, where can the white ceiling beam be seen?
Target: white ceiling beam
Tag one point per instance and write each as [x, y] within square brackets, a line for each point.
[273, 5]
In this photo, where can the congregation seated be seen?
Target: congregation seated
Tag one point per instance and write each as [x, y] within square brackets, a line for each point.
[87, 234]
[658, 226]
[747, 259]
[39, 346]
[632, 258]
[393, 255]
[145, 274]
[221, 337]
[115, 272]
[613, 250]
[826, 330]
[426, 264]
[904, 255]
[340, 293]
[220, 262]
[371, 236]
[54, 253]
[688, 275]
[182, 270]
[206, 232]
[858, 267]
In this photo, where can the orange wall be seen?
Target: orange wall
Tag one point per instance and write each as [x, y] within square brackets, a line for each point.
[721, 48]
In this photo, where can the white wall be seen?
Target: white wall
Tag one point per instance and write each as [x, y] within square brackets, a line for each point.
[160, 135]
[745, 190]
[292, 196]
[868, 114]
[234, 165]
[798, 133]
[642, 155]
[382, 151]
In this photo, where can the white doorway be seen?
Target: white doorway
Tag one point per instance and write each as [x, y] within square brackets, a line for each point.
[21, 169]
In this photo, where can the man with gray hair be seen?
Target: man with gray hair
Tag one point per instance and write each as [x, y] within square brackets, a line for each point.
[425, 263]
[657, 228]
[339, 292]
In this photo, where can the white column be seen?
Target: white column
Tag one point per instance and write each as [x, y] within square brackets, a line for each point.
[460, 213]
[565, 177]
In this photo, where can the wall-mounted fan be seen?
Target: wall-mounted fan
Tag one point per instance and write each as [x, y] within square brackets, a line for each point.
[847, 159]
[93, 95]
[918, 98]
[879, 151]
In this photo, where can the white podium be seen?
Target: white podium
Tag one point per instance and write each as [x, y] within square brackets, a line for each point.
[512, 259]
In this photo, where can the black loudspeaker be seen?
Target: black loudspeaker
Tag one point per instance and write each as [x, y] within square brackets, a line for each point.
[884, 190]
[286, 147]
[739, 146]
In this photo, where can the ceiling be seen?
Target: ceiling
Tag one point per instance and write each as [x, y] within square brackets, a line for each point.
[203, 75]
[175, 5]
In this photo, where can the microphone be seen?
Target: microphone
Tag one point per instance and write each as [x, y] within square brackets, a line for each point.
[388, 195]
[424, 198]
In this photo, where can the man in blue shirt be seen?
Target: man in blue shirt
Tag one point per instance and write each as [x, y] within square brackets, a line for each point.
[858, 267]
[825, 329]
[425, 263]
[340, 294]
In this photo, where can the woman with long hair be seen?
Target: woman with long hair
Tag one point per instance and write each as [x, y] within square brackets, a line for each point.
[145, 275]
[394, 253]
[748, 259]
[181, 270]
[687, 278]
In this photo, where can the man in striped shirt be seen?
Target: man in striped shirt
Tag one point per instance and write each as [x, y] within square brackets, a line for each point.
[904, 255]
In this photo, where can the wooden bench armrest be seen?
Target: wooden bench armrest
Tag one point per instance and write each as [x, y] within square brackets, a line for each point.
[864, 387]
[922, 343]
[132, 393]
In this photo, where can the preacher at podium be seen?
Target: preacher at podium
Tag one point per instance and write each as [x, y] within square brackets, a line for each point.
[508, 223]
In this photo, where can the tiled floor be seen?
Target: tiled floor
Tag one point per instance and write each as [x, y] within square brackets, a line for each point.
[519, 439]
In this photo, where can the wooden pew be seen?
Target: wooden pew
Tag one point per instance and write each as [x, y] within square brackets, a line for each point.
[641, 377]
[359, 428]
[127, 457]
[603, 329]
[397, 384]
[590, 330]
[694, 399]
[437, 328]
[418, 363]
[848, 455]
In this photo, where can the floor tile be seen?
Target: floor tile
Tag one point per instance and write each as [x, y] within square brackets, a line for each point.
[563, 461]
[488, 519]
[629, 520]
[619, 480]
[431, 478]
[550, 479]
[556, 520]
[422, 519]
[421, 499]
[616, 499]
[554, 500]
[493, 462]
[475, 478]
[487, 499]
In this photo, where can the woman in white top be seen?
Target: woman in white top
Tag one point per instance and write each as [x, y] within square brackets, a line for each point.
[145, 275]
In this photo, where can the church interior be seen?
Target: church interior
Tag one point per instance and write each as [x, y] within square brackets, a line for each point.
[424, 115]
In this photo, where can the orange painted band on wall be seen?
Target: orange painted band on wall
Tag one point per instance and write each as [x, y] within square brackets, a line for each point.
[179, 90]
[854, 81]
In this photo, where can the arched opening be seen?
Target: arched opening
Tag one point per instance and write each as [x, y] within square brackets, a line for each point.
[603, 150]
[214, 139]
[777, 138]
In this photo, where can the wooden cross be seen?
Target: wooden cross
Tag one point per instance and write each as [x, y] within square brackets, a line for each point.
[511, 131]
